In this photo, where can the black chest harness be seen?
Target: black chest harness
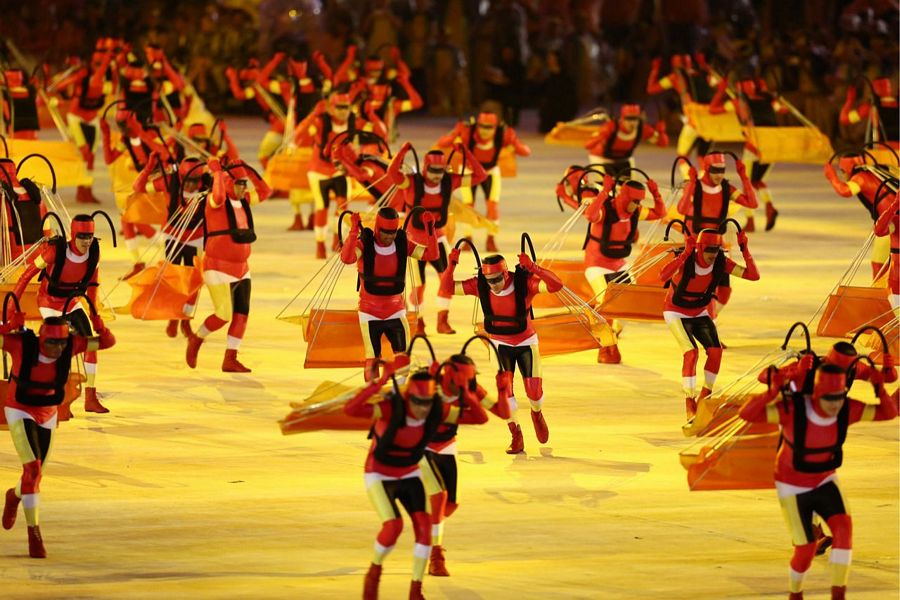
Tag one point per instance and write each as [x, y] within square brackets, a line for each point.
[700, 220]
[238, 235]
[610, 152]
[610, 246]
[26, 388]
[440, 213]
[802, 451]
[27, 213]
[388, 452]
[498, 145]
[382, 285]
[505, 324]
[685, 298]
[64, 289]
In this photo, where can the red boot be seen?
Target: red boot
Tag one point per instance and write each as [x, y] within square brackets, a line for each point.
[92, 402]
[172, 328]
[705, 392]
[193, 349]
[186, 330]
[838, 592]
[64, 412]
[443, 324]
[310, 223]
[490, 245]
[420, 326]
[540, 426]
[135, 269]
[373, 577]
[750, 225]
[609, 355]
[35, 543]
[231, 364]
[83, 195]
[415, 591]
[11, 508]
[795, 596]
[517, 445]
[771, 215]
[297, 225]
[436, 564]
[690, 407]
[320, 250]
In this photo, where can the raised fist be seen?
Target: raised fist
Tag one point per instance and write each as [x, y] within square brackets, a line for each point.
[525, 262]
[454, 256]
[653, 187]
[742, 239]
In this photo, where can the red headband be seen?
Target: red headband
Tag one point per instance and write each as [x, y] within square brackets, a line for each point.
[709, 237]
[79, 226]
[385, 224]
[54, 332]
[828, 384]
[421, 388]
[631, 110]
[716, 159]
[435, 159]
[487, 118]
[490, 269]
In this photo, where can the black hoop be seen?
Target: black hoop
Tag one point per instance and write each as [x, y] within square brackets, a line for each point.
[46, 160]
[723, 228]
[884, 344]
[527, 238]
[486, 339]
[790, 333]
[6, 305]
[340, 224]
[5, 146]
[112, 228]
[54, 216]
[420, 336]
[685, 230]
[472, 248]
[678, 159]
[72, 296]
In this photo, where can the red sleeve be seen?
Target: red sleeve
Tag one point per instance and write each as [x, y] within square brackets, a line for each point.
[597, 142]
[647, 132]
[474, 413]
[79, 344]
[470, 286]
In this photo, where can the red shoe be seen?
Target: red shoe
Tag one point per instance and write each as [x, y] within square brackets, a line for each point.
[135, 269]
[310, 223]
[771, 215]
[517, 445]
[320, 250]
[540, 426]
[690, 407]
[231, 364]
[420, 326]
[490, 245]
[186, 330]
[35, 543]
[297, 225]
[436, 564]
[443, 324]
[83, 195]
[92, 402]
[193, 349]
[705, 392]
[609, 355]
[838, 592]
[750, 225]
[280, 193]
[795, 596]
[11, 508]
[172, 328]
[415, 591]
[145, 230]
[370, 587]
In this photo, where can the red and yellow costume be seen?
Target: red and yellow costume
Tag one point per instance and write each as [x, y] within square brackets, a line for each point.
[20, 100]
[888, 226]
[40, 369]
[814, 427]
[228, 233]
[882, 110]
[402, 428]
[506, 304]
[69, 270]
[380, 255]
[431, 191]
[614, 143]
[694, 276]
[24, 214]
[485, 139]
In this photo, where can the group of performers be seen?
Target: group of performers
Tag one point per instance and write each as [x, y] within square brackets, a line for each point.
[348, 120]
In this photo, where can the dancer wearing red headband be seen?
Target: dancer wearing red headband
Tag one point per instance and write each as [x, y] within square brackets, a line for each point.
[614, 143]
[404, 424]
[862, 183]
[226, 270]
[458, 388]
[485, 138]
[380, 255]
[506, 304]
[40, 369]
[70, 267]
[694, 275]
[612, 230]
[814, 426]
[431, 190]
[884, 103]
[24, 212]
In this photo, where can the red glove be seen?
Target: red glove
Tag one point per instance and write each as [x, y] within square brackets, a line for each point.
[299, 68]
[526, 263]
[692, 173]
[701, 61]
[351, 51]
[887, 362]
[608, 182]
[214, 165]
[830, 173]
[741, 169]
[689, 244]
[776, 381]
[742, 240]
[97, 322]
[504, 379]
[107, 339]
[355, 221]
[876, 378]
[806, 362]
[395, 54]
[654, 189]
[454, 256]
[655, 64]
[428, 220]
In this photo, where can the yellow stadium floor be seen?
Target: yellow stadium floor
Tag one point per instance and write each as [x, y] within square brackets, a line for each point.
[188, 488]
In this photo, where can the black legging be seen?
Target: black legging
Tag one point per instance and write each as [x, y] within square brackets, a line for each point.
[180, 253]
[410, 492]
[439, 264]
[444, 468]
[38, 438]
[703, 330]
[512, 356]
[240, 296]
[392, 329]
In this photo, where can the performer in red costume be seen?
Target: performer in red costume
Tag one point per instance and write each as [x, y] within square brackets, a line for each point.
[380, 256]
[228, 234]
[814, 427]
[40, 369]
[70, 267]
[799, 374]
[862, 183]
[694, 276]
[91, 86]
[612, 229]
[25, 221]
[404, 424]
[458, 388]
[20, 100]
[485, 138]
[370, 171]
[614, 143]
[319, 130]
[245, 85]
[506, 304]
[888, 226]
[431, 190]
[882, 109]
[378, 91]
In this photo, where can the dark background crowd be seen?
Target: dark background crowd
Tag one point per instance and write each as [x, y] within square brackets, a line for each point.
[561, 57]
